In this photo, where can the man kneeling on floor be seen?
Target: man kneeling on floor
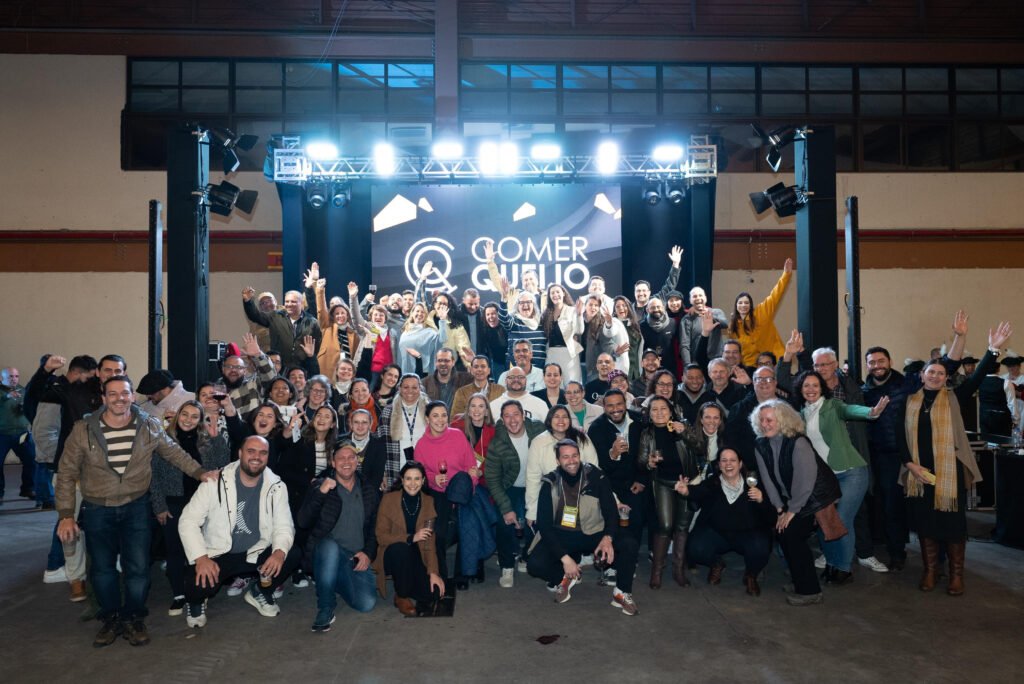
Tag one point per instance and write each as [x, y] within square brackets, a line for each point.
[340, 510]
[577, 515]
[239, 524]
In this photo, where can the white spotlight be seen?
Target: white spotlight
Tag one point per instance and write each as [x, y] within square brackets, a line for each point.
[545, 152]
[487, 156]
[607, 158]
[384, 159]
[508, 158]
[322, 150]
[668, 153]
[447, 149]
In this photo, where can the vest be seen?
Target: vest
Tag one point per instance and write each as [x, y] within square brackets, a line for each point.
[826, 484]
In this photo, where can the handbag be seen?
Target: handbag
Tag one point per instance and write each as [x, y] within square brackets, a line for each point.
[830, 523]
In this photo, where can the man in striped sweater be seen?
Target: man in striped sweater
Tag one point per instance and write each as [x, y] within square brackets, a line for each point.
[247, 391]
[109, 455]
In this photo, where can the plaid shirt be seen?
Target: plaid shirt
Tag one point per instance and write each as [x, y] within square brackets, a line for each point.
[248, 396]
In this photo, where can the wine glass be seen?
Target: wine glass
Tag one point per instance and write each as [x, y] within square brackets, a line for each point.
[751, 481]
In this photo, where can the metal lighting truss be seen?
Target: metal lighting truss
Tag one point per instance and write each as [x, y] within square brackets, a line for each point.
[291, 165]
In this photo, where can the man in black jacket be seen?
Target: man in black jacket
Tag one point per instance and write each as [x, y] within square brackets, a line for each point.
[340, 510]
[616, 436]
[577, 515]
[288, 327]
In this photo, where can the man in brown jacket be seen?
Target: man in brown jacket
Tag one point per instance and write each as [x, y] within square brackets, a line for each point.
[109, 456]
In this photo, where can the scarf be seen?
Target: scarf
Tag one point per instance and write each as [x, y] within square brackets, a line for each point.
[534, 321]
[943, 449]
[343, 341]
[660, 325]
[731, 493]
[369, 406]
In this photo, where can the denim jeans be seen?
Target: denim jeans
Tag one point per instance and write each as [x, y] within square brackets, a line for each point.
[509, 545]
[26, 451]
[853, 484]
[332, 569]
[112, 531]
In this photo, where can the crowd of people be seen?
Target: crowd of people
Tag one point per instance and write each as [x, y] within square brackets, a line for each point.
[411, 437]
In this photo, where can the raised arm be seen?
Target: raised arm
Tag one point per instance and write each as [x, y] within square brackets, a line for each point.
[323, 315]
[997, 338]
[252, 312]
[675, 255]
[767, 308]
[956, 350]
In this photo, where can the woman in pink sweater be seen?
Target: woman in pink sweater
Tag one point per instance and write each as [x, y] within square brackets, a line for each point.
[443, 451]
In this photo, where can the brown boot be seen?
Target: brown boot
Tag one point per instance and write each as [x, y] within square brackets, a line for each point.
[679, 559]
[956, 552]
[660, 551]
[405, 606]
[715, 572]
[751, 583]
[78, 591]
[930, 559]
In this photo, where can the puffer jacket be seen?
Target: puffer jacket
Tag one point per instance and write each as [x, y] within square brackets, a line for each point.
[85, 462]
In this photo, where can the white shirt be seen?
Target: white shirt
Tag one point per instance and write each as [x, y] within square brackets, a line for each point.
[418, 428]
[534, 379]
[812, 413]
[537, 409]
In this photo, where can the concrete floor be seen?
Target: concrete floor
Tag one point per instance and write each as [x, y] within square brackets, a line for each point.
[880, 627]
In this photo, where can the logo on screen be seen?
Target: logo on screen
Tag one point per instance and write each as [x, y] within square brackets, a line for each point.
[435, 252]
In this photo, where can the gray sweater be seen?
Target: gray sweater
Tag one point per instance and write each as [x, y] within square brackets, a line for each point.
[805, 472]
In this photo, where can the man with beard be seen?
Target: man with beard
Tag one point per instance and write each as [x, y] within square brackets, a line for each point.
[246, 392]
[884, 434]
[616, 436]
[577, 515]
[445, 380]
[288, 328]
[657, 331]
[474, 317]
[691, 393]
[691, 328]
[642, 288]
[108, 457]
[238, 523]
[649, 363]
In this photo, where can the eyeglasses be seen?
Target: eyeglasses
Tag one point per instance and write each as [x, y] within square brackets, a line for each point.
[233, 367]
[825, 364]
[764, 381]
[664, 384]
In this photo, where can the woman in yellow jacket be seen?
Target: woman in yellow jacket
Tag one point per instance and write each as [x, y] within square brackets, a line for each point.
[754, 327]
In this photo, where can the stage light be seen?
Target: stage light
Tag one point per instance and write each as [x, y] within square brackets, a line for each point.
[676, 192]
[227, 140]
[785, 200]
[322, 151]
[316, 195]
[227, 196]
[667, 153]
[341, 194]
[384, 159]
[447, 150]
[652, 192]
[776, 140]
[607, 158]
[545, 152]
[508, 158]
[487, 158]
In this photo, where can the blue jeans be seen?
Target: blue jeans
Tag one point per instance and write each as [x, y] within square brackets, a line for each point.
[26, 451]
[853, 484]
[332, 569]
[119, 530]
[509, 545]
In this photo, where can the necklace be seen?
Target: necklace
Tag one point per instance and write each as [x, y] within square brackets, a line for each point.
[413, 513]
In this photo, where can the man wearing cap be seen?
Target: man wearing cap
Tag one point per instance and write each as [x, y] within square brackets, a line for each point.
[165, 394]
[650, 361]
[267, 303]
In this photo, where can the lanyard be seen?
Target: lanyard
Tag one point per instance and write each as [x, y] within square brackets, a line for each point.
[411, 424]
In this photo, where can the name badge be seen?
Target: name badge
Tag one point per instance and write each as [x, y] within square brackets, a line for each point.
[569, 514]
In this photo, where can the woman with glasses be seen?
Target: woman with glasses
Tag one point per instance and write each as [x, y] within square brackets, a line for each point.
[318, 393]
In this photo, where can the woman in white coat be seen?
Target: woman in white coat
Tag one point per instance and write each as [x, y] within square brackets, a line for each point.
[562, 326]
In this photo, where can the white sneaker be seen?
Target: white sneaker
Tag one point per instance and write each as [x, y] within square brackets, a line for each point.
[195, 614]
[587, 560]
[55, 576]
[255, 598]
[239, 585]
[278, 593]
[873, 563]
[820, 562]
[520, 565]
[508, 578]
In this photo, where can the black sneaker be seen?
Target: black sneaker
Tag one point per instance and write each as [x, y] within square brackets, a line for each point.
[136, 633]
[112, 628]
[177, 606]
[323, 622]
[196, 615]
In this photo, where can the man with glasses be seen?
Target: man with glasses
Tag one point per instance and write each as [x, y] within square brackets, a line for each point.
[515, 388]
[738, 431]
[522, 354]
[246, 392]
[826, 362]
[445, 380]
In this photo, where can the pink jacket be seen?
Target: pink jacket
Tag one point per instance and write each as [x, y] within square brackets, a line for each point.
[451, 447]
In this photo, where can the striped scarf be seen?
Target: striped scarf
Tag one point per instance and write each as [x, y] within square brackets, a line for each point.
[943, 449]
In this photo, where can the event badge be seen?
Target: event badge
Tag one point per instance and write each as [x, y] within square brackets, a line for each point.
[569, 514]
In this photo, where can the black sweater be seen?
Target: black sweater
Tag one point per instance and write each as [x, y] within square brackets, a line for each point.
[743, 514]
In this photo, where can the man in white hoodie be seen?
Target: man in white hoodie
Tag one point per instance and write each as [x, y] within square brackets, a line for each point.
[238, 524]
